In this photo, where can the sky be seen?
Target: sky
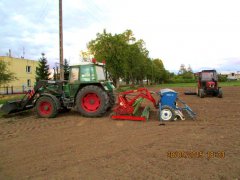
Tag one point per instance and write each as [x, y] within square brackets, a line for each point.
[204, 34]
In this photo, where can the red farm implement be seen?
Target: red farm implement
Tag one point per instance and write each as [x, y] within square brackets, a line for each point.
[130, 107]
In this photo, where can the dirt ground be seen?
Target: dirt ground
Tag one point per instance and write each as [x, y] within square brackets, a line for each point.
[75, 147]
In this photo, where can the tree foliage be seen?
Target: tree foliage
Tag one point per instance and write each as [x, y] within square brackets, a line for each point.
[66, 69]
[126, 58]
[5, 75]
[56, 70]
[222, 78]
[185, 75]
[112, 49]
[42, 71]
[159, 71]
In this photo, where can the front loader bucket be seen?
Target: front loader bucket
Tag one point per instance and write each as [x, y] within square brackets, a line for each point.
[13, 107]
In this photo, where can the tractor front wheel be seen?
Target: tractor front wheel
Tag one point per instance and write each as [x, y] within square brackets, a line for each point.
[92, 101]
[220, 93]
[46, 107]
[201, 93]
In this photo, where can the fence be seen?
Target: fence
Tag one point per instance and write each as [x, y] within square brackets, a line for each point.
[14, 89]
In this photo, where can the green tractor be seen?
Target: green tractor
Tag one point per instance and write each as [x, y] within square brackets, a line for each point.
[88, 89]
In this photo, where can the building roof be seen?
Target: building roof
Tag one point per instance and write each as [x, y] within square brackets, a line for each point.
[10, 57]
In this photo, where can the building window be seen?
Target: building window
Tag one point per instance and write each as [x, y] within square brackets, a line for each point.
[29, 82]
[28, 69]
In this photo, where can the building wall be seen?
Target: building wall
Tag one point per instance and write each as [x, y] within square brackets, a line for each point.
[24, 69]
[233, 76]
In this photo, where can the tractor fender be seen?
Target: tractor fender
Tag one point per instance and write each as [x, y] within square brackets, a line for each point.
[55, 100]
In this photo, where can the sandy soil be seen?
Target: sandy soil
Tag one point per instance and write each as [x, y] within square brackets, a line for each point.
[75, 147]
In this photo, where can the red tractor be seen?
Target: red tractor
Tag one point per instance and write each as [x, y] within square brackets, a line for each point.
[208, 84]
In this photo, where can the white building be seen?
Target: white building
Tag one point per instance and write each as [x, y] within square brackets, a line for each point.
[231, 75]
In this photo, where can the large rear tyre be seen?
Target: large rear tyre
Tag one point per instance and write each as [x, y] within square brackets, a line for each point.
[92, 101]
[167, 113]
[46, 107]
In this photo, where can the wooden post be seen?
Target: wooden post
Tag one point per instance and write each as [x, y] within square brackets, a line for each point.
[61, 41]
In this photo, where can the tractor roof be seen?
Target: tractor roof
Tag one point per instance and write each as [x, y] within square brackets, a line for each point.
[212, 70]
[87, 63]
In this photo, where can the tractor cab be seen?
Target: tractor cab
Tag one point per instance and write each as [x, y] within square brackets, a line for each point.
[208, 79]
[208, 75]
[88, 73]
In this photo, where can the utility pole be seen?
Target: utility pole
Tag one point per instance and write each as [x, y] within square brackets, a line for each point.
[61, 41]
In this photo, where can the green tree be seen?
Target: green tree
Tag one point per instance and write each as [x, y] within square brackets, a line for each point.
[42, 71]
[188, 74]
[222, 78]
[134, 64]
[5, 75]
[182, 69]
[159, 72]
[127, 58]
[111, 48]
[170, 77]
[66, 69]
[148, 68]
[184, 75]
[141, 56]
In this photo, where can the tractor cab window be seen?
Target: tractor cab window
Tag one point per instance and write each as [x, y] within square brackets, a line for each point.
[74, 74]
[87, 73]
[209, 76]
[100, 73]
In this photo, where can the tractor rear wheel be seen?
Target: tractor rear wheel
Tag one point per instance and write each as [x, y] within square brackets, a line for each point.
[201, 93]
[167, 113]
[92, 101]
[47, 107]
